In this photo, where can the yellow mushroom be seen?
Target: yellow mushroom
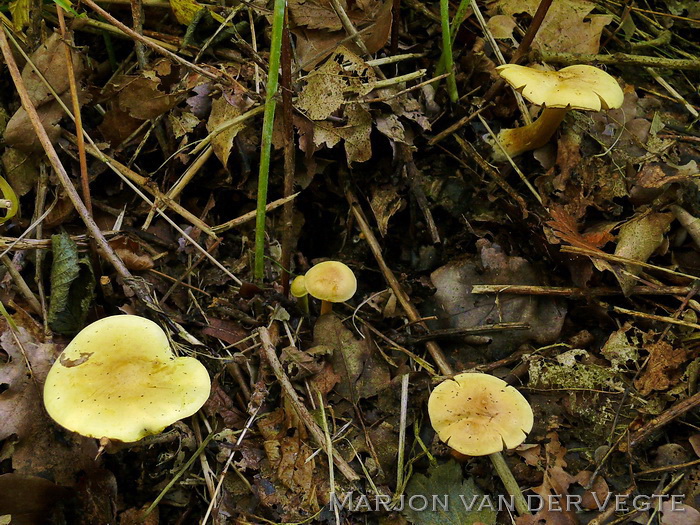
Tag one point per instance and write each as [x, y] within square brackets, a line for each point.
[118, 379]
[298, 290]
[479, 415]
[575, 87]
[332, 282]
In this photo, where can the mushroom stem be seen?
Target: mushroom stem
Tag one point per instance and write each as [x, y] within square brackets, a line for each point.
[509, 482]
[519, 140]
[326, 307]
[303, 304]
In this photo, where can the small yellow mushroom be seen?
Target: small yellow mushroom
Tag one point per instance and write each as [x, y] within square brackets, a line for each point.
[332, 282]
[118, 379]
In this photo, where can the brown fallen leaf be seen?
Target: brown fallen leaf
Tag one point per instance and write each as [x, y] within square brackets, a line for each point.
[50, 60]
[132, 254]
[663, 369]
[363, 373]
[36, 451]
[222, 111]
[568, 26]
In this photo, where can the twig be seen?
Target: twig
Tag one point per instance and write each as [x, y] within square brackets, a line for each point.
[652, 317]
[495, 175]
[137, 15]
[624, 260]
[623, 59]
[411, 311]
[289, 159]
[156, 47]
[270, 355]
[572, 291]
[664, 419]
[107, 252]
[233, 223]
[532, 30]
[456, 126]
[21, 284]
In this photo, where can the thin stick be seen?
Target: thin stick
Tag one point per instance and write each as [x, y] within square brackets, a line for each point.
[156, 47]
[289, 160]
[411, 312]
[329, 447]
[623, 59]
[572, 291]
[402, 431]
[266, 145]
[21, 284]
[664, 419]
[652, 317]
[270, 355]
[104, 247]
[84, 179]
[137, 15]
[234, 223]
[532, 30]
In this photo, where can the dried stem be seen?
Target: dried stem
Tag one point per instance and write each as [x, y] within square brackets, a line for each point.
[270, 355]
[411, 311]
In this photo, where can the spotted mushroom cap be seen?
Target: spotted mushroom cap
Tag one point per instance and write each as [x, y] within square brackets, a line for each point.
[331, 281]
[576, 87]
[479, 414]
[119, 379]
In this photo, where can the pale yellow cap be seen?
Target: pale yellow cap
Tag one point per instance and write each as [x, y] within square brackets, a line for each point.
[479, 414]
[119, 379]
[331, 281]
[576, 87]
[298, 286]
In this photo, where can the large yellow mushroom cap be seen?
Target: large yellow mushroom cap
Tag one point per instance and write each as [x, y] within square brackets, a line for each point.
[119, 379]
[479, 414]
[575, 87]
[331, 281]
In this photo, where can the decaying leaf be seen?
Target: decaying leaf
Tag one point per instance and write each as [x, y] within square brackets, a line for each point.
[363, 373]
[132, 254]
[50, 61]
[22, 170]
[72, 286]
[344, 73]
[457, 307]
[385, 203]
[319, 30]
[467, 503]
[19, 9]
[619, 350]
[36, 451]
[638, 240]
[222, 111]
[355, 133]
[568, 26]
[663, 369]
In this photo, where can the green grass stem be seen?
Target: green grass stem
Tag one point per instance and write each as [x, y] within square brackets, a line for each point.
[447, 49]
[266, 145]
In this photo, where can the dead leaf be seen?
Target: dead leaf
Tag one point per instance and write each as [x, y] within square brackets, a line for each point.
[385, 202]
[567, 28]
[319, 31]
[37, 451]
[638, 239]
[132, 254]
[363, 373]
[355, 133]
[457, 307]
[22, 170]
[147, 95]
[31, 500]
[50, 61]
[663, 369]
[222, 112]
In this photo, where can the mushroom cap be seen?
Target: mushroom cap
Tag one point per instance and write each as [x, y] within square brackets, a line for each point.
[298, 286]
[331, 281]
[119, 379]
[576, 87]
[479, 414]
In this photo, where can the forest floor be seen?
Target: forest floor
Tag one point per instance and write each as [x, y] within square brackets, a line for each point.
[141, 141]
